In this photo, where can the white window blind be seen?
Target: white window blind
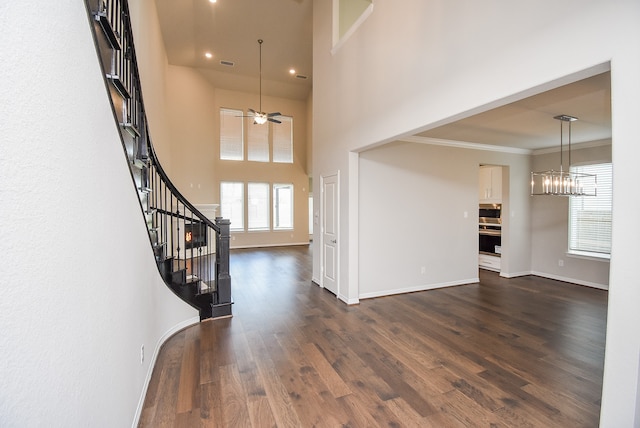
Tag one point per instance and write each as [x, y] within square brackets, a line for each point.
[283, 140]
[258, 143]
[590, 217]
[258, 206]
[232, 203]
[282, 206]
[231, 134]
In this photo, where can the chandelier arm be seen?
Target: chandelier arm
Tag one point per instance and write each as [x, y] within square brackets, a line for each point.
[569, 146]
[561, 150]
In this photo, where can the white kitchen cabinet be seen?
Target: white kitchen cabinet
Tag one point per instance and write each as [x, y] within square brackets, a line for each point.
[490, 188]
[488, 262]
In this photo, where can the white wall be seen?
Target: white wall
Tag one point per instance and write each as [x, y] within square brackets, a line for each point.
[430, 62]
[550, 228]
[81, 292]
[413, 201]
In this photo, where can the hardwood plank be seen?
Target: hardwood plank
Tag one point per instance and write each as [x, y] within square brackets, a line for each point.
[234, 404]
[519, 352]
[189, 374]
[332, 380]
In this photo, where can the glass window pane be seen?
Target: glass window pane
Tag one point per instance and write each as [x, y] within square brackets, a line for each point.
[589, 216]
[231, 134]
[232, 203]
[258, 206]
[283, 206]
[257, 143]
[283, 140]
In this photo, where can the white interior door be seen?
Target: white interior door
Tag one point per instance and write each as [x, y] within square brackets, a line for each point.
[330, 223]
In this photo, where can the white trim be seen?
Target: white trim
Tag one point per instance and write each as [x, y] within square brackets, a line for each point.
[585, 145]
[152, 363]
[418, 288]
[464, 145]
[350, 302]
[286, 244]
[514, 274]
[571, 280]
[337, 44]
[353, 267]
[586, 255]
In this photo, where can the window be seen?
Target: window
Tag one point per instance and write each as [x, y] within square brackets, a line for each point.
[231, 135]
[282, 206]
[232, 203]
[258, 143]
[283, 140]
[590, 217]
[258, 206]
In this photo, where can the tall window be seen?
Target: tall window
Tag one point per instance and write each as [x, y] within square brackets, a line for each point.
[283, 140]
[232, 203]
[258, 206]
[282, 206]
[590, 217]
[258, 143]
[231, 134]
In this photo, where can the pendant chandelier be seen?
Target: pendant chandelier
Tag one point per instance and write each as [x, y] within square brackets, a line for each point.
[563, 183]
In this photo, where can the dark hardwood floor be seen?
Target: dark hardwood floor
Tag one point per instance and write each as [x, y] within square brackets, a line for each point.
[521, 352]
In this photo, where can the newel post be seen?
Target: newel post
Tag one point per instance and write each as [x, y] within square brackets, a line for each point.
[223, 282]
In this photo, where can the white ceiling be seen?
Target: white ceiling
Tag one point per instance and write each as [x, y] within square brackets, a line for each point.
[229, 29]
[529, 124]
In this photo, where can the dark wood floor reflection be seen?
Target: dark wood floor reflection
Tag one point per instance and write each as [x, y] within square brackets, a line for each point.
[521, 352]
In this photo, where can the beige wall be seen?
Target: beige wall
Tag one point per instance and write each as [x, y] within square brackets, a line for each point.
[193, 108]
[419, 208]
[549, 228]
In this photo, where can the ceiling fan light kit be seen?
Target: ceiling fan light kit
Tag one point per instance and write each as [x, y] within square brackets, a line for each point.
[260, 117]
[563, 183]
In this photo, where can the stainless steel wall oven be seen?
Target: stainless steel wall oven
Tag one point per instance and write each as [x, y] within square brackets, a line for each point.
[490, 229]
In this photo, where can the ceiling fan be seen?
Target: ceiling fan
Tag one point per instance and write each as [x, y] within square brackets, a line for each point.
[260, 117]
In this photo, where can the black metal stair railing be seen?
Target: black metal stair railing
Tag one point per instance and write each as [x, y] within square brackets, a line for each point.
[191, 250]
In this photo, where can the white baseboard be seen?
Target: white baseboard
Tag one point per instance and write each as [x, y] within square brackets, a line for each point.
[173, 330]
[348, 301]
[418, 288]
[286, 244]
[515, 274]
[571, 280]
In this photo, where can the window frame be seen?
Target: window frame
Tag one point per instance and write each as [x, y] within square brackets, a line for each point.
[267, 207]
[277, 150]
[229, 112]
[604, 172]
[276, 205]
[223, 208]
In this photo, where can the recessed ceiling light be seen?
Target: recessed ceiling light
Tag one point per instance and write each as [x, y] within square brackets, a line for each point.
[292, 71]
[212, 1]
[209, 55]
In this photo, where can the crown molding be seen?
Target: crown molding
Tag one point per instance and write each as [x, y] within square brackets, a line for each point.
[578, 146]
[465, 145]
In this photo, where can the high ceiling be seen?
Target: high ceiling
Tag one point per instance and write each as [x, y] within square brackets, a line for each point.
[229, 29]
[529, 124]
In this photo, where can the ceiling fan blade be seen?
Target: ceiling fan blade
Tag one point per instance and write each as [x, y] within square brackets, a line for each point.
[274, 114]
[270, 119]
[252, 111]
